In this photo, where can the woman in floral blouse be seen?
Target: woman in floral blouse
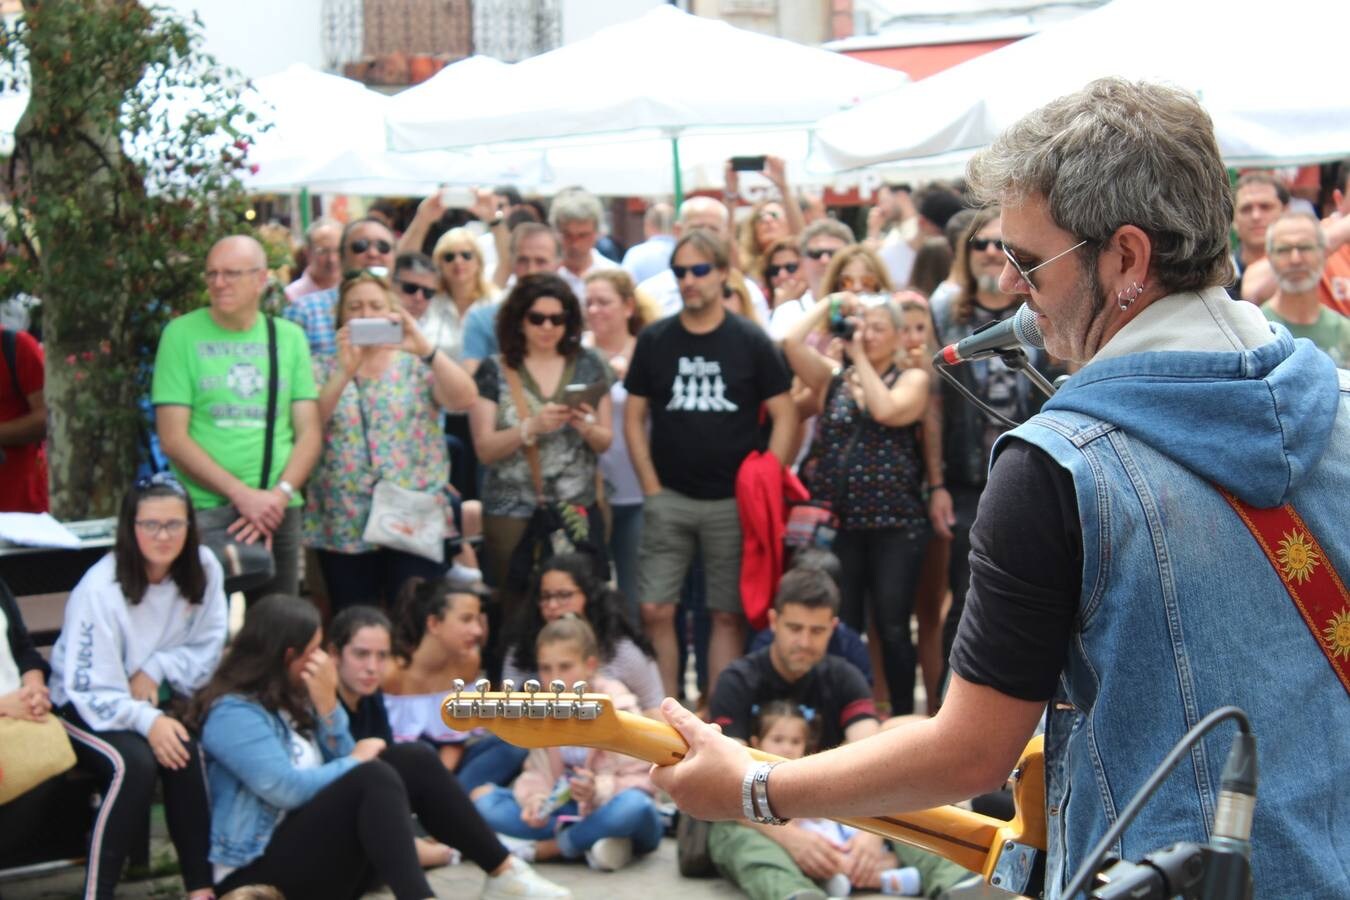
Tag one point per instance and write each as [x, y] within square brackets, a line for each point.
[379, 406]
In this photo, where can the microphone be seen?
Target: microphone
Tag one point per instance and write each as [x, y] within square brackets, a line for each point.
[996, 337]
[1228, 874]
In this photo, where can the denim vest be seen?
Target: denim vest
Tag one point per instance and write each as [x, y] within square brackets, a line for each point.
[1181, 613]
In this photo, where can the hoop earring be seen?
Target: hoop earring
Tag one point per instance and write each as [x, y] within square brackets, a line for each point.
[1126, 297]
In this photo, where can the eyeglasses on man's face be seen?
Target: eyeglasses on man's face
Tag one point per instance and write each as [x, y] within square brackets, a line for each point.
[698, 270]
[410, 289]
[228, 276]
[1024, 274]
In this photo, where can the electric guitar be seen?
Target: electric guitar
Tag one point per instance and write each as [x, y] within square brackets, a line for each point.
[1010, 855]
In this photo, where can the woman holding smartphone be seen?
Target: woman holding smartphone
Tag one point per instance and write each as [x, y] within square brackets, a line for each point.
[380, 406]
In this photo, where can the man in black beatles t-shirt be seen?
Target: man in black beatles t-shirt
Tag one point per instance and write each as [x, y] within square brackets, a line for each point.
[700, 377]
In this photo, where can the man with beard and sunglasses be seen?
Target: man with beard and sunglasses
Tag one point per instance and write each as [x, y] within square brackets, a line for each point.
[366, 244]
[1160, 541]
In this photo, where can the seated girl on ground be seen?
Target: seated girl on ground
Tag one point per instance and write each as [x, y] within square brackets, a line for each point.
[573, 801]
[359, 640]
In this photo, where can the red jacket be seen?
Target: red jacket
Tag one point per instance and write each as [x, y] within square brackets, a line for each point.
[763, 489]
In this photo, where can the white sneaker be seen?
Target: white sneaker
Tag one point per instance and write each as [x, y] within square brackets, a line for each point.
[519, 880]
[610, 854]
[522, 848]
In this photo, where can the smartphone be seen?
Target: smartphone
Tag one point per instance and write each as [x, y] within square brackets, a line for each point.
[576, 394]
[456, 197]
[365, 332]
[747, 163]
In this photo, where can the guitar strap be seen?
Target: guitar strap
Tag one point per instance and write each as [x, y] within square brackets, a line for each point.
[1314, 586]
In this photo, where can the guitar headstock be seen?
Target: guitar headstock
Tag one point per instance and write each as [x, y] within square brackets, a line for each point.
[534, 717]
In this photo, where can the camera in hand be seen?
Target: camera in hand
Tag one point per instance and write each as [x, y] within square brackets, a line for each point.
[843, 326]
[373, 331]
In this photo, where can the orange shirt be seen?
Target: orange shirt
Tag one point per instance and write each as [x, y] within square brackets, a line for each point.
[1335, 286]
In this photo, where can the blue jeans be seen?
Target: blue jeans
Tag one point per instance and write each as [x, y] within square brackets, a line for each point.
[489, 760]
[623, 549]
[629, 814]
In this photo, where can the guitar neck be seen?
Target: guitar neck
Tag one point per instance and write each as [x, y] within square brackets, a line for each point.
[959, 835]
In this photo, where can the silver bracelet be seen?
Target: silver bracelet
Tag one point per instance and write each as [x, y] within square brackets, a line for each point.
[760, 795]
[747, 802]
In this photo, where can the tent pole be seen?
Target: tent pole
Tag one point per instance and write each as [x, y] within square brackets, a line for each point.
[304, 210]
[675, 161]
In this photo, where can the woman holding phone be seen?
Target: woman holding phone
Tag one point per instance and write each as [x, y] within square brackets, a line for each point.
[539, 332]
[379, 404]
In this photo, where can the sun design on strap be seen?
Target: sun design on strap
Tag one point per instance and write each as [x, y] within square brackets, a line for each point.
[1297, 557]
[1337, 633]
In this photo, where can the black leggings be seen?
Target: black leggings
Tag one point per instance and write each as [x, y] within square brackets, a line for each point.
[126, 767]
[445, 811]
[879, 573]
[356, 830]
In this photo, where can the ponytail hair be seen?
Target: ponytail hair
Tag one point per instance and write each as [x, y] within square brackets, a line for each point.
[421, 598]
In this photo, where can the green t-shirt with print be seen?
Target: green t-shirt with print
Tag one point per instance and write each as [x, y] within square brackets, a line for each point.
[1331, 332]
[222, 376]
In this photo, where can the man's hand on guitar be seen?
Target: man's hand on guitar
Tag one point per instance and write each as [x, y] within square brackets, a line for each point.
[707, 782]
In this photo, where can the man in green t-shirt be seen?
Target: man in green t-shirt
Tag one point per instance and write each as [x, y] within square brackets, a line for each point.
[210, 394]
[1296, 248]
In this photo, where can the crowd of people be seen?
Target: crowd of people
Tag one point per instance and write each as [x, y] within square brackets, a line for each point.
[602, 446]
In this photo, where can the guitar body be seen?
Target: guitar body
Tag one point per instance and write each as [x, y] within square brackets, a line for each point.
[1008, 854]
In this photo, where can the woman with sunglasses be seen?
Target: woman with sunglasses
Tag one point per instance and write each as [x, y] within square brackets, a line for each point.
[144, 629]
[463, 284]
[379, 404]
[539, 333]
[769, 219]
[781, 275]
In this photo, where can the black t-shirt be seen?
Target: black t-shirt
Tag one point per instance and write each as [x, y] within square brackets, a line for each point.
[834, 690]
[369, 719]
[1026, 574]
[704, 393]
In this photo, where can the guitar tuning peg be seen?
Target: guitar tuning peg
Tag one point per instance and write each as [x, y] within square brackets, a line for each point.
[508, 685]
[482, 685]
[557, 685]
[579, 687]
[458, 685]
[531, 686]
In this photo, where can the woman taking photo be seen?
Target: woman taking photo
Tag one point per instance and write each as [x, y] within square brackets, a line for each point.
[568, 584]
[360, 641]
[615, 318]
[379, 405]
[439, 632]
[539, 332]
[148, 621]
[866, 463]
[295, 802]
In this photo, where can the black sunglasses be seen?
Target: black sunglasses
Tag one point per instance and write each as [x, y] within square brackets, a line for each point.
[409, 288]
[699, 270]
[449, 255]
[538, 319]
[983, 244]
[820, 253]
[790, 268]
[361, 245]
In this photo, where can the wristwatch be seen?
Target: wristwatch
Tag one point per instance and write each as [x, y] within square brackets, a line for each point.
[286, 488]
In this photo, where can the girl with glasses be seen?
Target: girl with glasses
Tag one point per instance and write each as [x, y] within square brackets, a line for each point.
[143, 630]
[379, 405]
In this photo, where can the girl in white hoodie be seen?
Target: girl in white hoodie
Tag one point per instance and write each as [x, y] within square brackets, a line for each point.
[144, 627]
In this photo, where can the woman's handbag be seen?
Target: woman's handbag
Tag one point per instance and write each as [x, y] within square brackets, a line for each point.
[401, 518]
[30, 753]
[246, 566]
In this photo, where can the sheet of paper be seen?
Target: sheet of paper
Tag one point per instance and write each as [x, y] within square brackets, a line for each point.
[36, 530]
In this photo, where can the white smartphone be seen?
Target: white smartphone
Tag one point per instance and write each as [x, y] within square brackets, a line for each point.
[456, 197]
[365, 332]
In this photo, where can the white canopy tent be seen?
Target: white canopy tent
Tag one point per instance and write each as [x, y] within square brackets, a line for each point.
[612, 111]
[1266, 112]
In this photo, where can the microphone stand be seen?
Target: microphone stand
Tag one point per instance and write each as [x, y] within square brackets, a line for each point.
[1017, 360]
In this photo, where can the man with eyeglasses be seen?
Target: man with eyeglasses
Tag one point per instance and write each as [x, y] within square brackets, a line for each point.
[210, 392]
[1165, 538]
[366, 244]
[323, 247]
[577, 217]
[1296, 248]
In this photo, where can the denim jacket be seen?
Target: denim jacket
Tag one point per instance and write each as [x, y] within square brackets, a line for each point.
[251, 777]
[1181, 612]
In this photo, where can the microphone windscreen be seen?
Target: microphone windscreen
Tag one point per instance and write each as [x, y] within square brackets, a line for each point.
[1025, 328]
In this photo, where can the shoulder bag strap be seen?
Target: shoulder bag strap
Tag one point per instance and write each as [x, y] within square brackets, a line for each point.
[273, 376]
[522, 412]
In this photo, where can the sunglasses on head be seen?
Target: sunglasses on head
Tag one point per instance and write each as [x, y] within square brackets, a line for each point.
[409, 288]
[449, 255]
[538, 319]
[983, 244]
[821, 253]
[161, 479]
[698, 270]
[790, 268]
[361, 245]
